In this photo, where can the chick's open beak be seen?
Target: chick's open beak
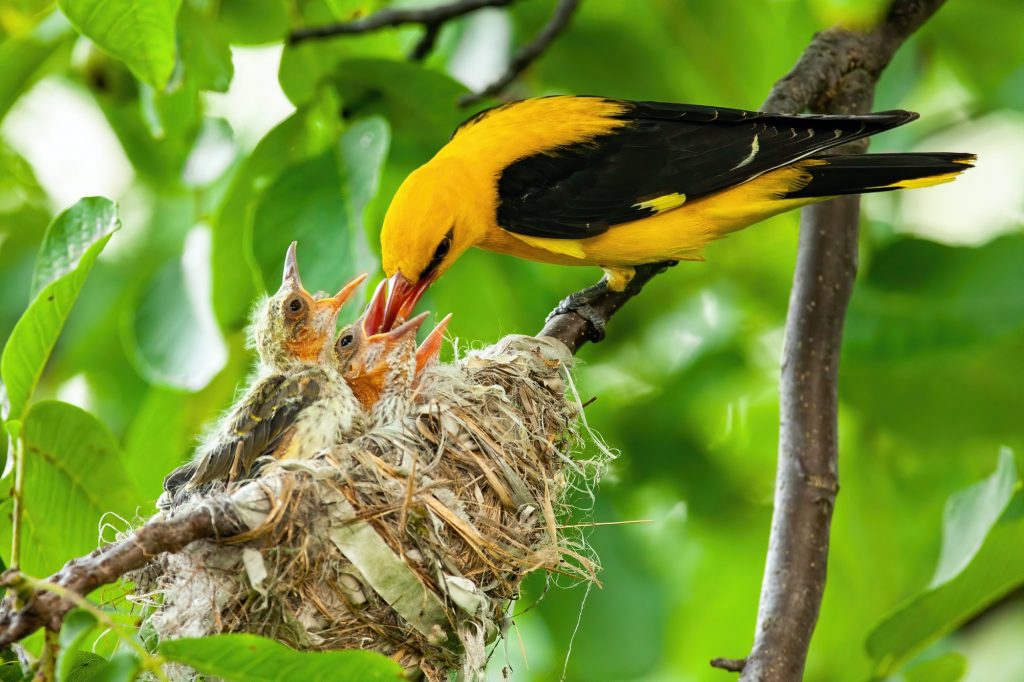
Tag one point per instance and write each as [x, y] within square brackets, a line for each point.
[338, 300]
[430, 349]
[402, 298]
[399, 333]
[290, 277]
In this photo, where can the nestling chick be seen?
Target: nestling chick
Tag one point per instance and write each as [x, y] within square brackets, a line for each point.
[297, 402]
[383, 368]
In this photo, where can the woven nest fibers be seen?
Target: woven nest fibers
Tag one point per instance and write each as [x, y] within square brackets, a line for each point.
[410, 539]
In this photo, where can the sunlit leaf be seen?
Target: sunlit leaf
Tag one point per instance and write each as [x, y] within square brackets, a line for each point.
[140, 33]
[970, 515]
[78, 236]
[73, 476]
[175, 337]
[85, 667]
[248, 658]
[69, 237]
[995, 570]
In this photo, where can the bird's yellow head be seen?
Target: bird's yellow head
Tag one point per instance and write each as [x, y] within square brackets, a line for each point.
[294, 327]
[425, 230]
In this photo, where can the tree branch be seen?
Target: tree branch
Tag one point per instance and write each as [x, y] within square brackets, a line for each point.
[106, 565]
[526, 55]
[386, 18]
[836, 74]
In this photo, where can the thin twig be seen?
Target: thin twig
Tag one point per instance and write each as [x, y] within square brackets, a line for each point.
[427, 16]
[733, 665]
[526, 55]
[426, 42]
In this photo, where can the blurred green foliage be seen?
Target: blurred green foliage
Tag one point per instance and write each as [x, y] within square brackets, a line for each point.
[686, 382]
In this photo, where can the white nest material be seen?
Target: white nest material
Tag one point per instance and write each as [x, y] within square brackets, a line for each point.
[411, 539]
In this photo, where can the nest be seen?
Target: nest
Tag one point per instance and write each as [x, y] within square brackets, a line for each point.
[411, 539]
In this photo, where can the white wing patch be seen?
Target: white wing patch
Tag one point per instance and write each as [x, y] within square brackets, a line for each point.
[755, 146]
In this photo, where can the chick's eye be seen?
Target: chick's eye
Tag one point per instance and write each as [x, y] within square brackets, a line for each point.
[295, 306]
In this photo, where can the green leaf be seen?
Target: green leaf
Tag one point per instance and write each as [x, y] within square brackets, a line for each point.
[970, 515]
[122, 667]
[310, 131]
[141, 33]
[306, 66]
[398, 90]
[11, 672]
[24, 56]
[69, 237]
[919, 297]
[174, 335]
[86, 666]
[253, 22]
[158, 440]
[204, 51]
[363, 152]
[320, 202]
[73, 476]
[82, 231]
[248, 658]
[77, 625]
[947, 668]
[995, 570]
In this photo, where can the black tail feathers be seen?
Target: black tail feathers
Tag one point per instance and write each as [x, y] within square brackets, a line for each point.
[863, 173]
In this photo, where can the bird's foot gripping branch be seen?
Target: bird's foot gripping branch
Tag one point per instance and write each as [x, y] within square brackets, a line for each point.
[410, 540]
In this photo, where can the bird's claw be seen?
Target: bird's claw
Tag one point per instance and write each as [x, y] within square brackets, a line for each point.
[579, 303]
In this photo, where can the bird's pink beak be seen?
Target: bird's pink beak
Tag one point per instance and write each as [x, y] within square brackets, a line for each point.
[402, 299]
[374, 320]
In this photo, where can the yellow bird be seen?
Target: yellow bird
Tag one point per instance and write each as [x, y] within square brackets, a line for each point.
[596, 181]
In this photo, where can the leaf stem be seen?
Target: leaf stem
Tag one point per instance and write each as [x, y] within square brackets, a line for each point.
[16, 494]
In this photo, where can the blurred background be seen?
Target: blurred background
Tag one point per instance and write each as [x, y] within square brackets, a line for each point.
[253, 144]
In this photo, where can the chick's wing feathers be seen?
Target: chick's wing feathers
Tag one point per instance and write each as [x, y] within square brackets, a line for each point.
[660, 157]
[255, 428]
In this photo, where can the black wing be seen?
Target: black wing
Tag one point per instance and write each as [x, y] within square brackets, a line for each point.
[663, 149]
[256, 427]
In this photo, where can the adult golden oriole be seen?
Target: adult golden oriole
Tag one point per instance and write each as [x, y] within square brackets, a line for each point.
[595, 181]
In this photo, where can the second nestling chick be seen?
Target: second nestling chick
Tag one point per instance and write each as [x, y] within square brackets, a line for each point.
[383, 367]
[296, 404]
